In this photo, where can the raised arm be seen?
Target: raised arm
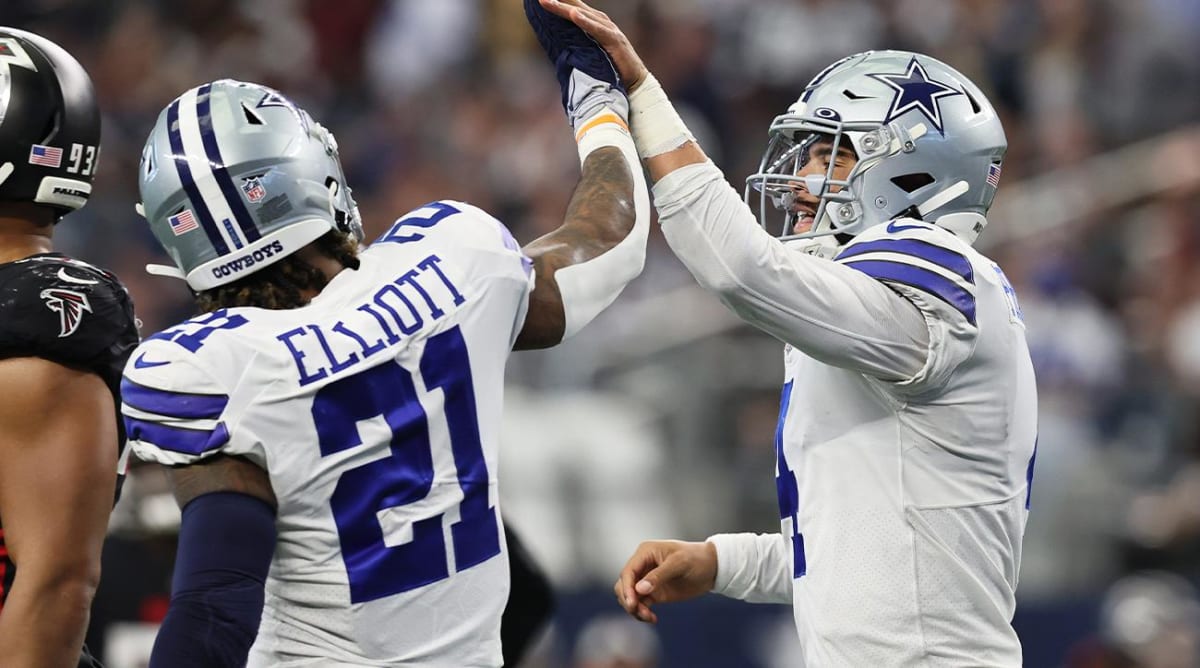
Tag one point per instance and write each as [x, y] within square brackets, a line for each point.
[572, 283]
[58, 444]
[832, 312]
[581, 267]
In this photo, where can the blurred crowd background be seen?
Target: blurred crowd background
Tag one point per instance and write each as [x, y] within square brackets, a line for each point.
[657, 421]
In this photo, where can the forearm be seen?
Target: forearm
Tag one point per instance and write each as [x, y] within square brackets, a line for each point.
[201, 631]
[226, 542]
[44, 619]
[661, 165]
[753, 567]
[601, 245]
[663, 141]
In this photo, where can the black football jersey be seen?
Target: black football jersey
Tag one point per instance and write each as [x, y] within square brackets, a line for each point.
[72, 313]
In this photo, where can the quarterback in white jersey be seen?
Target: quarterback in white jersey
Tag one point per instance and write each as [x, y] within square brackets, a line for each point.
[332, 420]
[907, 430]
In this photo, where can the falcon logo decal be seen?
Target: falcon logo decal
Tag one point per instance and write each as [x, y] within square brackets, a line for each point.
[69, 305]
[11, 55]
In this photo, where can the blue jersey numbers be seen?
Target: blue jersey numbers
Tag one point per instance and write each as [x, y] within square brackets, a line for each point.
[379, 565]
[191, 334]
[787, 489]
[1014, 308]
[406, 229]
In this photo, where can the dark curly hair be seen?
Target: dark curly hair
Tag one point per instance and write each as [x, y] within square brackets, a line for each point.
[283, 284]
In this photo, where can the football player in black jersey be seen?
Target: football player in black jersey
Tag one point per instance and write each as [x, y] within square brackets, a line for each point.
[66, 329]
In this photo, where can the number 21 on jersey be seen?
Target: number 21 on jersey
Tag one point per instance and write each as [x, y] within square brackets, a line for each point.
[374, 568]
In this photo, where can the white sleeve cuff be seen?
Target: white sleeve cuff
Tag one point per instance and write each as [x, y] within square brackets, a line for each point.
[753, 567]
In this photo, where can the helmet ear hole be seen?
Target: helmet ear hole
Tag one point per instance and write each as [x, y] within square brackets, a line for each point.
[910, 183]
[341, 219]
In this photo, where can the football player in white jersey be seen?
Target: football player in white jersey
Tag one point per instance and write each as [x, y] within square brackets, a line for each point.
[906, 438]
[331, 420]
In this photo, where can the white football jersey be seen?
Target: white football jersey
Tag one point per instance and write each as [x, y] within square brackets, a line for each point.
[903, 471]
[375, 412]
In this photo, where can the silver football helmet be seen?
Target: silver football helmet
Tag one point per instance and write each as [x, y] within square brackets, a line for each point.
[235, 177]
[929, 146]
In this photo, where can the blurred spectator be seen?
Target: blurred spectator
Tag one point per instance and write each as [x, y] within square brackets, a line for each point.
[616, 641]
[1148, 620]
[583, 481]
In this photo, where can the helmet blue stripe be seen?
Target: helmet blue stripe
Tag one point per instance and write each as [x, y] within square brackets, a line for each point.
[232, 195]
[189, 183]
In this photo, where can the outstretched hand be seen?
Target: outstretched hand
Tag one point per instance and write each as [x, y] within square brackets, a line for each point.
[665, 571]
[606, 33]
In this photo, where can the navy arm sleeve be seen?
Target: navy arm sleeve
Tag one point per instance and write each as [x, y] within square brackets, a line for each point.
[226, 542]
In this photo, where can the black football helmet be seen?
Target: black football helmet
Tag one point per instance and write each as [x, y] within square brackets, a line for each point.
[49, 124]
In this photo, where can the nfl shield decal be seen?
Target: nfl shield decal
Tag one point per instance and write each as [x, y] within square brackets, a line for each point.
[253, 187]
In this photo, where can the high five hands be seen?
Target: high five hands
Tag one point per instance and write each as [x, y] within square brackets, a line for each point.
[602, 29]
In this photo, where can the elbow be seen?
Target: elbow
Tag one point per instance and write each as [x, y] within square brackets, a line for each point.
[723, 279]
[75, 583]
[717, 264]
[636, 264]
[75, 595]
[741, 269]
[722, 284]
[68, 589]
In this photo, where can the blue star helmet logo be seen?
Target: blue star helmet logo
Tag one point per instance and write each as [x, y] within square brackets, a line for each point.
[915, 90]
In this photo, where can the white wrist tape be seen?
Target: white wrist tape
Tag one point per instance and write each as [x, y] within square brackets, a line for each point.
[589, 287]
[657, 127]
